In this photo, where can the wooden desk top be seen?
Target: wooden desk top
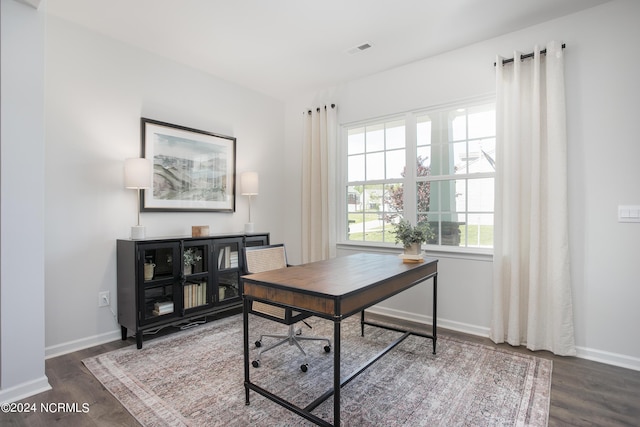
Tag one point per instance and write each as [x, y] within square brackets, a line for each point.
[340, 286]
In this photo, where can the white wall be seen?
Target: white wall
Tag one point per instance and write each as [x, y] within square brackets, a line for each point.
[22, 203]
[97, 89]
[602, 101]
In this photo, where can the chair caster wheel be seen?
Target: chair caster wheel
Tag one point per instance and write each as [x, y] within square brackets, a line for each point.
[327, 348]
[299, 331]
[258, 343]
[305, 367]
[255, 363]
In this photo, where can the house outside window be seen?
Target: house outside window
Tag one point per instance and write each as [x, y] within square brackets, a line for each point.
[449, 183]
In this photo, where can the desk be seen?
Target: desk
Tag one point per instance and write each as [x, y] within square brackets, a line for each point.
[334, 289]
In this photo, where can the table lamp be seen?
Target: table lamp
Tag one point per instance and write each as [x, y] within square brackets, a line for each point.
[137, 175]
[249, 185]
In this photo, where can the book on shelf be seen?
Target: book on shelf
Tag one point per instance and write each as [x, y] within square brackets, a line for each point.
[227, 258]
[195, 294]
[164, 307]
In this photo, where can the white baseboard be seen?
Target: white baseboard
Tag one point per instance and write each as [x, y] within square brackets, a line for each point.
[71, 346]
[609, 358]
[427, 320]
[582, 352]
[24, 390]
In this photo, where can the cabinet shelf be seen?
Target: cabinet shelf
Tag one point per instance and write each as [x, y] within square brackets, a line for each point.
[164, 282]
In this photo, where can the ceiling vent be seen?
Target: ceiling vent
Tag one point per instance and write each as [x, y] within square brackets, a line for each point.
[359, 48]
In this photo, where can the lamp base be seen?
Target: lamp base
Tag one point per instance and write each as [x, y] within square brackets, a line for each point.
[137, 232]
[248, 227]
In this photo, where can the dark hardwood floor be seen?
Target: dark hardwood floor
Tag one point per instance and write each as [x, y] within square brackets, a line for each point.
[583, 393]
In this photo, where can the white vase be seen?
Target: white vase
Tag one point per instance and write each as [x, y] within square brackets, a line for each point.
[187, 269]
[413, 249]
[148, 271]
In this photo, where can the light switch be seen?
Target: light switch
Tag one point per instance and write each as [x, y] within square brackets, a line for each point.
[627, 213]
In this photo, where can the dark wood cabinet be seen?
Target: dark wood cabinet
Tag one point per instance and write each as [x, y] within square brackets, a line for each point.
[170, 281]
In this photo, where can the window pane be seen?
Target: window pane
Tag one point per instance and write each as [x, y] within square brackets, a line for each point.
[375, 166]
[355, 141]
[461, 195]
[447, 195]
[395, 135]
[451, 229]
[395, 164]
[423, 195]
[354, 198]
[372, 227]
[434, 224]
[458, 162]
[355, 211]
[393, 201]
[484, 152]
[458, 121]
[424, 161]
[478, 231]
[480, 196]
[423, 130]
[482, 121]
[435, 160]
[356, 168]
[375, 138]
[391, 210]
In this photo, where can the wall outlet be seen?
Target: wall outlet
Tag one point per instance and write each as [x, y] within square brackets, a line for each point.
[104, 299]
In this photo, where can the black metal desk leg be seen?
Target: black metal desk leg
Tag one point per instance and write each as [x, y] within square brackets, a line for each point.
[336, 373]
[245, 323]
[435, 307]
[362, 323]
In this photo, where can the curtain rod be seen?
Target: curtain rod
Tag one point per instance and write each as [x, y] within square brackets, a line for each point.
[528, 55]
[318, 109]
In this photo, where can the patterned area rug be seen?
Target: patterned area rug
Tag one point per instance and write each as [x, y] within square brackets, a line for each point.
[195, 378]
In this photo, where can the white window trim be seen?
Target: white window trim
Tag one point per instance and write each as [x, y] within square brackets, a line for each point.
[410, 208]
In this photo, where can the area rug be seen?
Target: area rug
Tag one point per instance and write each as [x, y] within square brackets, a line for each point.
[195, 378]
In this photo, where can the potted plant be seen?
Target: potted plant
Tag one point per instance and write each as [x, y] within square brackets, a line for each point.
[190, 258]
[412, 237]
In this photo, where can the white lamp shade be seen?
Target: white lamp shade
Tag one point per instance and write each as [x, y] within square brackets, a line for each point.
[249, 183]
[137, 173]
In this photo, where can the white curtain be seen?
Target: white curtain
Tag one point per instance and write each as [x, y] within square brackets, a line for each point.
[318, 184]
[532, 301]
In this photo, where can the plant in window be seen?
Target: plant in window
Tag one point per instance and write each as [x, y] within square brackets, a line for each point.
[412, 236]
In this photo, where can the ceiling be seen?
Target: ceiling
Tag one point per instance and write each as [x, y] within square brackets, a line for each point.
[283, 47]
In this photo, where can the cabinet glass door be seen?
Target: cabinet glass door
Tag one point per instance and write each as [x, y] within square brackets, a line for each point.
[159, 302]
[196, 266]
[228, 263]
[160, 280]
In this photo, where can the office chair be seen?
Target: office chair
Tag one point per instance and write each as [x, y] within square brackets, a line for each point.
[264, 258]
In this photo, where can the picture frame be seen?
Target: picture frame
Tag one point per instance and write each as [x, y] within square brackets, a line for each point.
[193, 170]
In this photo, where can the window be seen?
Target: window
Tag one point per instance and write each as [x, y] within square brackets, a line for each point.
[450, 184]
[376, 156]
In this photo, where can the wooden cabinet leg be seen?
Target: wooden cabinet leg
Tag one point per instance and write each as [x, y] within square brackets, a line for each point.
[139, 340]
[124, 333]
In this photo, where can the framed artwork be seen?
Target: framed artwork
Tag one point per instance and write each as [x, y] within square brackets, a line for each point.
[193, 170]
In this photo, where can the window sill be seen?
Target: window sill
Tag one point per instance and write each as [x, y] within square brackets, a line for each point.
[474, 254]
